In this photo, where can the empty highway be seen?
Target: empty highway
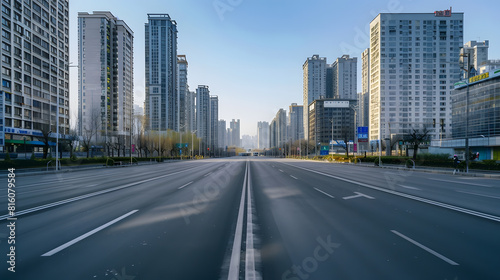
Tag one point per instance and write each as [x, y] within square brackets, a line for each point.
[251, 218]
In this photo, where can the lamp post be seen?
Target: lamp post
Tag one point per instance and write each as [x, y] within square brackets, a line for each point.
[462, 54]
[24, 138]
[192, 143]
[331, 143]
[180, 141]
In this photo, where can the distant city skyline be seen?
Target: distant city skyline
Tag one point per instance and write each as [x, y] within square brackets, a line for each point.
[272, 48]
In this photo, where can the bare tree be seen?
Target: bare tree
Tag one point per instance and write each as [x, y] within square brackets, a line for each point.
[45, 129]
[90, 129]
[417, 137]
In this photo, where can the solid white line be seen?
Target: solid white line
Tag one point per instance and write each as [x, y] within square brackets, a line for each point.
[409, 187]
[208, 174]
[73, 199]
[424, 200]
[478, 194]
[81, 237]
[234, 265]
[185, 185]
[425, 248]
[294, 177]
[250, 258]
[324, 193]
[467, 183]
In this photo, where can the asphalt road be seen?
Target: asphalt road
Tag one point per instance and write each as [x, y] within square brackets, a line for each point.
[252, 218]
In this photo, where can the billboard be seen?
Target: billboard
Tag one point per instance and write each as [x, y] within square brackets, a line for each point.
[362, 133]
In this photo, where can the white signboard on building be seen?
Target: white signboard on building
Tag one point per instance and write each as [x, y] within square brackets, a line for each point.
[336, 104]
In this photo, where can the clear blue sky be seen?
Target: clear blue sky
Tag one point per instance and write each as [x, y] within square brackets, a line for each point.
[250, 52]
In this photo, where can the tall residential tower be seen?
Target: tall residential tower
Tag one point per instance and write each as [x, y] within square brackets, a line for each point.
[105, 81]
[162, 95]
[413, 67]
[314, 84]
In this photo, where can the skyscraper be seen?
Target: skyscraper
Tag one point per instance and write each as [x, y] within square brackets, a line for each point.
[162, 96]
[314, 84]
[477, 52]
[295, 122]
[222, 134]
[262, 135]
[105, 89]
[203, 114]
[182, 67]
[278, 130]
[34, 94]
[344, 82]
[190, 111]
[214, 122]
[413, 66]
[235, 133]
[364, 96]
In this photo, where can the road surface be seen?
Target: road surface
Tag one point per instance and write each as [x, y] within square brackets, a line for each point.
[251, 218]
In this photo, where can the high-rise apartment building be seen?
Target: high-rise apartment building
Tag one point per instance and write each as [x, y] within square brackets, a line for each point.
[413, 66]
[262, 135]
[222, 134]
[162, 95]
[182, 86]
[277, 130]
[477, 52]
[190, 111]
[345, 77]
[235, 133]
[295, 122]
[314, 84]
[364, 95]
[34, 93]
[105, 82]
[203, 113]
[214, 122]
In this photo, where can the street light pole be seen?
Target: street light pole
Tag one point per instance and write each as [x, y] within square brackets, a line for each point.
[466, 111]
[57, 135]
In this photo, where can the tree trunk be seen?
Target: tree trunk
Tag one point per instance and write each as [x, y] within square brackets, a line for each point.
[415, 149]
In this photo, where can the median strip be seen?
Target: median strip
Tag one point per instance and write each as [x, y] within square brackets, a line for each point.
[81, 237]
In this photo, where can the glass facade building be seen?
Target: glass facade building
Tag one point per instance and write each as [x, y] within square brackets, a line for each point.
[484, 106]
